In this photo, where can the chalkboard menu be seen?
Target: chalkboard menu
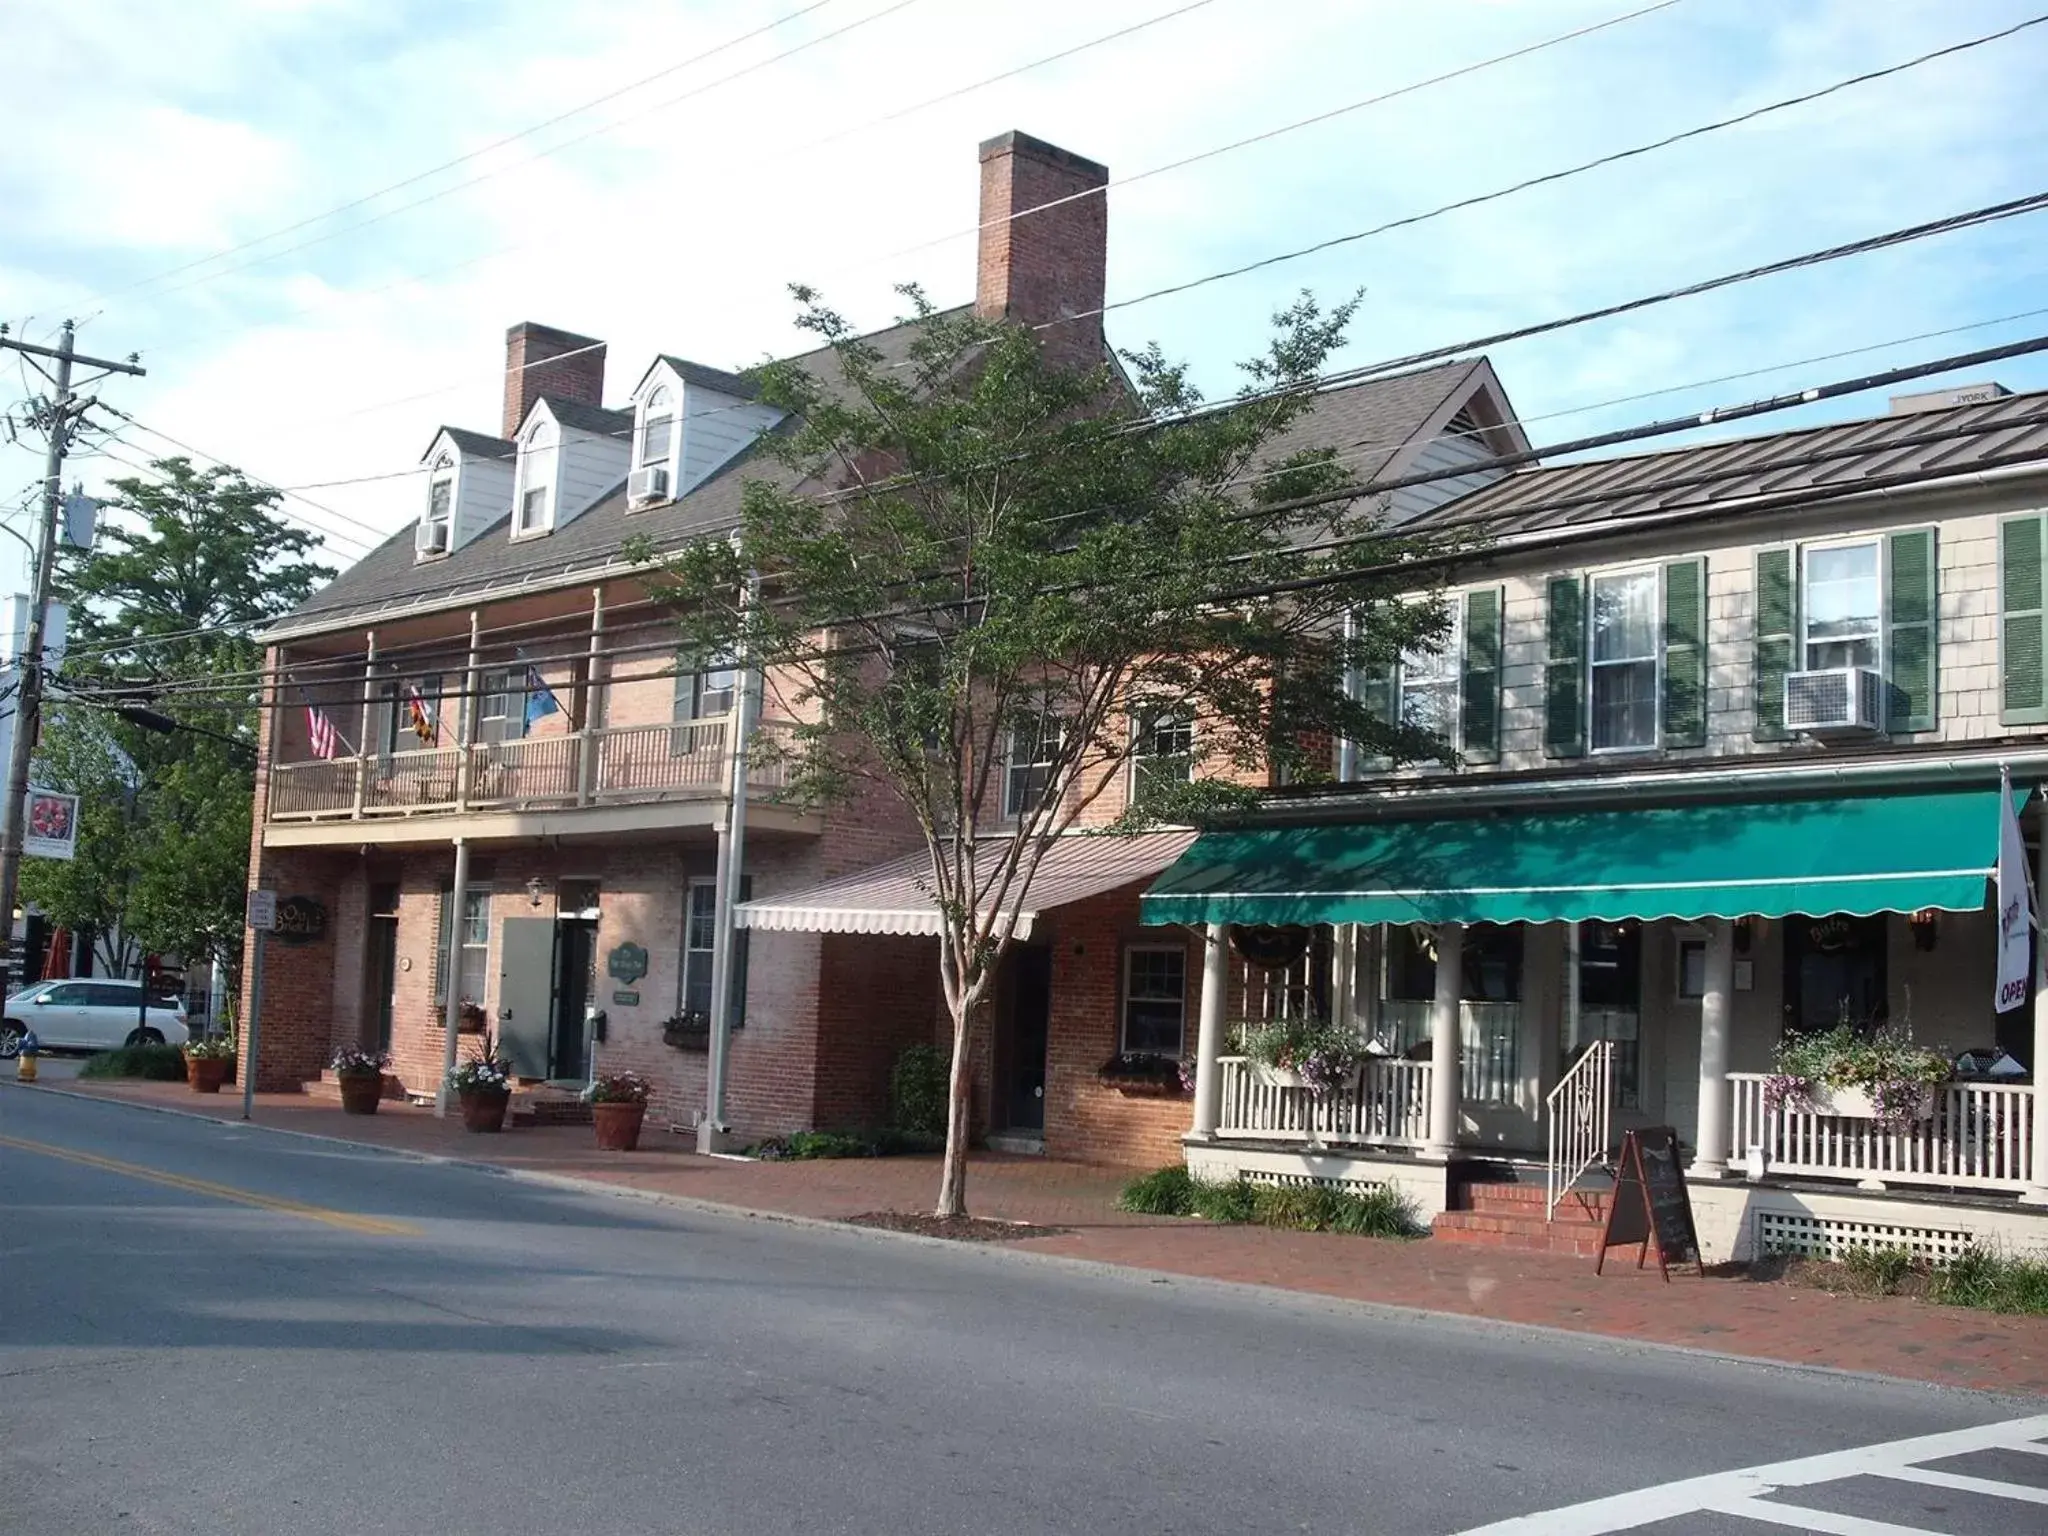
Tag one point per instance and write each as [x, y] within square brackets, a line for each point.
[1650, 1202]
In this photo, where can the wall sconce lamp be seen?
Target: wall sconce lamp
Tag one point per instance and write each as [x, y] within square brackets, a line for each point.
[536, 888]
[1926, 926]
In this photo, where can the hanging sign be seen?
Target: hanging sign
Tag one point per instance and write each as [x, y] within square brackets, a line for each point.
[1651, 1203]
[2015, 914]
[52, 825]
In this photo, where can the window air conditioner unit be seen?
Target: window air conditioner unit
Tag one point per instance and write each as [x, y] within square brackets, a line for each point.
[649, 484]
[1843, 701]
[432, 539]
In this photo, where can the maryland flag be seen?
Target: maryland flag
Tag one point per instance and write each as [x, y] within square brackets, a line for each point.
[424, 725]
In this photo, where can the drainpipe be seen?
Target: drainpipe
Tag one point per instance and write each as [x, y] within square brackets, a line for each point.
[451, 969]
[731, 867]
[2036, 1192]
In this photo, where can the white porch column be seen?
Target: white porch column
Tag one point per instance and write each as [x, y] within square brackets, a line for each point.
[451, 969]
[1209, 1030]
[1446, 1076]
[2036, 1192]
[1717, 1002]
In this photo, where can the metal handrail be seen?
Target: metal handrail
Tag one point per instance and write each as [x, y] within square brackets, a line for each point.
[1579, 1112]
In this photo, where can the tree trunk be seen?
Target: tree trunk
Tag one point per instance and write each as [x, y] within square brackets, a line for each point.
[953, 1180]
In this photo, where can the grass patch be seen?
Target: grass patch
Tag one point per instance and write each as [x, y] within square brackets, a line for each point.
[1881, 1271]
[804, 1146]
[1982, 1278]
[1173, 1191]
[157, 1063]
[1994, 1282]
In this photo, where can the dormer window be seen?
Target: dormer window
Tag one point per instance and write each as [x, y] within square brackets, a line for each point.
[532, 509]
[657, 427]
[437, 528]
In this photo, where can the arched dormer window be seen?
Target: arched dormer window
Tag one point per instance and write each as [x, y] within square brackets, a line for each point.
[657, 426]
[532, 510]
[437, 526]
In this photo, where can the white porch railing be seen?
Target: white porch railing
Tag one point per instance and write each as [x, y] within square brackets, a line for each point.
[1579, 1113]
[323, 787]
[536, 769]
[412, 781]
[1980, 1136]
[1387, 1105]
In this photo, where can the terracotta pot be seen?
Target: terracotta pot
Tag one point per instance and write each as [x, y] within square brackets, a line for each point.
[617, 1126]
[204, 1074]
[483, 1109]
[361, 1092]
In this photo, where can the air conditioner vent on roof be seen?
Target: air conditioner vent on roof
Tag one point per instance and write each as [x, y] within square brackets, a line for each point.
[1839, 701]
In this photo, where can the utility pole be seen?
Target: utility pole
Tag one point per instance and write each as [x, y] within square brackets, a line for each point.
[60, 420]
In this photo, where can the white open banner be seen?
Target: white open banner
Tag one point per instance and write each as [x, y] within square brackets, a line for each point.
[2015, 910]
[51, 830]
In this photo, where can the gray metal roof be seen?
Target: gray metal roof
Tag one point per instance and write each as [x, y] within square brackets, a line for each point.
[711, 378]
[1828, 459]
[481, 444]
[1370, 422]
[579, 417]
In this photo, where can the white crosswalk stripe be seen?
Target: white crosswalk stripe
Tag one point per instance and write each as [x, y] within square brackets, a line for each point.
[1746, 1492]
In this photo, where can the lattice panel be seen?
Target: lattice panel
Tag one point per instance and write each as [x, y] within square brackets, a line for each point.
[1830, 1237]
[1309, 1180]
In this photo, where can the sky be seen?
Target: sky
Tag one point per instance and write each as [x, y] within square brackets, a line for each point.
[214, 197]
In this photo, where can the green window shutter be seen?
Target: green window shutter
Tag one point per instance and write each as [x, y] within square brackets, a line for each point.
[1912, 615]
[1479, 689]
[1685, 653]
[1777, 636]
[1375, 690]
[2022, 655]
[1564, 672]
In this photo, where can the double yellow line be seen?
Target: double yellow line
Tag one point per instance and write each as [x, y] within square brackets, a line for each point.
[373, 1226]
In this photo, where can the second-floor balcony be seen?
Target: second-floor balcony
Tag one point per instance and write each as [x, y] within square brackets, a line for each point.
[632, 764]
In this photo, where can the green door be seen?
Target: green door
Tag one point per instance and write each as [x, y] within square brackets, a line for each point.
[526, 992]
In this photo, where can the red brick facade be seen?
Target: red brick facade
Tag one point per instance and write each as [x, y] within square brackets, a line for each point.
[1043, 268]
[529, 373]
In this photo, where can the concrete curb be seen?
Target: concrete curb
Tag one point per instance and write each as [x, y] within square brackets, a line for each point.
[1127, 1274]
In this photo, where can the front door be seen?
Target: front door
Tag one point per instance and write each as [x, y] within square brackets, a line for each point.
[575, 955]
[382, 970]
[526, 992]
[1030, 1014]
[1834, 972]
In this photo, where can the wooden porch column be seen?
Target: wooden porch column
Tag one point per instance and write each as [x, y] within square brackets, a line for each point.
[363, 741]
[467, 714]
[1446, 1077]
[586, 766]
[1209, 1031]
[2036, 1192]
[1717, 1001]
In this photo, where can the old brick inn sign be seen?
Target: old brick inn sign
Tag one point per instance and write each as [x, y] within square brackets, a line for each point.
[300, 920]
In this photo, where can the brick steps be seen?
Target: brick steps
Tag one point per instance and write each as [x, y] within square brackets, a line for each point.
[1510, 1216]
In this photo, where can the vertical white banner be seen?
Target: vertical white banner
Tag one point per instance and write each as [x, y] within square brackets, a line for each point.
[2015, 910]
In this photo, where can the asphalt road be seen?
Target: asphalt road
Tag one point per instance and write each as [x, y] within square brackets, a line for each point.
[271, 1334]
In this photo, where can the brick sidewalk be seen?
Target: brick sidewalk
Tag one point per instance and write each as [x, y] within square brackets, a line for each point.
[1731, 1315]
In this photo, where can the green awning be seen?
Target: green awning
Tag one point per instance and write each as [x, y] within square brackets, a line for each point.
[1881, 853]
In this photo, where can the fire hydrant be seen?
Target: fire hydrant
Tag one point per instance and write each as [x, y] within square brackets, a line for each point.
[25, 1063]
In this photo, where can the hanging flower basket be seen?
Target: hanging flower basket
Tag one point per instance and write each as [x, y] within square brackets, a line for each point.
[1858, 1104]
[1270, 948]
[1147, 1075]
[687, 1032]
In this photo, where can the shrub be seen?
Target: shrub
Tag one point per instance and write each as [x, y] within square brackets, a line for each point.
[1995, 1282]
[918, 1091]
[1168, 1192]
[799, 1146]
[1881, 1270]
[156, 1063]
[1381, 1212]
[219, 1047]
[1232, 1201]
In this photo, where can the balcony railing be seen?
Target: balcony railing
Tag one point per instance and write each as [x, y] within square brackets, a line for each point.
[1978, 1136]
[684, 761]
[1386, 1104]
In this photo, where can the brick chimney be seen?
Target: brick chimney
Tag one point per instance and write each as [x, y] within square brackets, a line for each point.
[1040, 267]
[529, 374]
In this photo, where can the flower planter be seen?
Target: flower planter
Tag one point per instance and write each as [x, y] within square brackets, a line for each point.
[617, 1126]
[1856, 1104]
[205, 1074]
[361, 1092]
[483, 1109]
[1277, 1077]
[1145, 1087]
[683, 1038]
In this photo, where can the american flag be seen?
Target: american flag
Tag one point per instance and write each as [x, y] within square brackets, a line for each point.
[320, 731]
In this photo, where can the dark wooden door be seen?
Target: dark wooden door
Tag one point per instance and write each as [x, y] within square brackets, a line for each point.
[1030, 1016]
[1834, 972]
[575, 953]
[383, 972]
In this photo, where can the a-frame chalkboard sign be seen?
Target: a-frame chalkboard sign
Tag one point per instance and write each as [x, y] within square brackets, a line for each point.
[1650, 1202]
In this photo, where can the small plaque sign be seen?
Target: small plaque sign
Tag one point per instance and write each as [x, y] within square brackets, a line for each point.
[626, 963]
[625, 999]
[263, 910]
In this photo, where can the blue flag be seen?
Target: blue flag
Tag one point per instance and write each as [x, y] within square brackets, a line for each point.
[540, 699]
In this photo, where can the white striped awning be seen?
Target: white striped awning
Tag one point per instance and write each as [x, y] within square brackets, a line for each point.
[896, 897]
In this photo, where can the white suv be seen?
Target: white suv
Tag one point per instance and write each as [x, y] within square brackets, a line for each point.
[88, 1015]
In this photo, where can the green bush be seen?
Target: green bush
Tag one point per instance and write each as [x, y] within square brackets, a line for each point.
[1994, 1282]
[1168, 1192]
[1881, 1270]
[1232, 1201]
[803, 1146]
[157, 1063]
[917, 1092]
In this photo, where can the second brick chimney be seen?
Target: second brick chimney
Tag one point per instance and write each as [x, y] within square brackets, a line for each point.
[540, 360]
[1036, 268]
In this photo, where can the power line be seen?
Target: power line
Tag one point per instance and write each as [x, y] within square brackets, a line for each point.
[349, 548]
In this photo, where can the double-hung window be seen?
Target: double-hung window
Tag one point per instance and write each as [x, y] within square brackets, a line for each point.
[1164, 752]
[1155, 1002]
[703, 692]
[657, 427]
[501, 711]
[1428, 679]
[1034, 746]
[700, 925]
[1841, 606]
[440, 511]
[1623, 660]
[474, 959]
[537, 460]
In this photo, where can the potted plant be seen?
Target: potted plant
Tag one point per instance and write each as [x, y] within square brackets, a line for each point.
[470, 1017]
[483, 1084]
[207, 1060]
[686, 1032]
[618, 1105]
[1301, 1053]
[1147, 1075]
[1871, 1074]
[361, 1075]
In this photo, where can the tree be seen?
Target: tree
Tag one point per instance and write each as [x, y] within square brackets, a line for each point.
[163, 610]
[1011, 553]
